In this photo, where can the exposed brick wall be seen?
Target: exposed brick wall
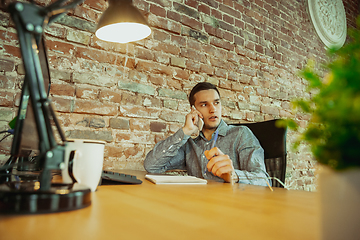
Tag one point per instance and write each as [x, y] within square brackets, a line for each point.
[134, 95]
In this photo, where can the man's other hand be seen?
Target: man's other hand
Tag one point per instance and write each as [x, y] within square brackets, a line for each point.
[219, 164]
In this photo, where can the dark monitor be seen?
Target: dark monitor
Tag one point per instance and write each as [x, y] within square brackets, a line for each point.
[26, 142]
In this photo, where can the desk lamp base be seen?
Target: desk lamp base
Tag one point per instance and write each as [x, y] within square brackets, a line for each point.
[26, 198]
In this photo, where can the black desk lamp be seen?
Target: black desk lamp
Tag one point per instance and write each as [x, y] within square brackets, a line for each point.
[41, 195]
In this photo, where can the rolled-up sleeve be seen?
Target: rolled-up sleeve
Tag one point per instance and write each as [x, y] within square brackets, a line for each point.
[252, 168]
[167, 154]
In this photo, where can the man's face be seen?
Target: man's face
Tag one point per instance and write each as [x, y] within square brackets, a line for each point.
[207, 102]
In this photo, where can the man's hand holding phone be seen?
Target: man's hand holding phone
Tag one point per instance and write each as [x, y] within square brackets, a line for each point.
[193, 122]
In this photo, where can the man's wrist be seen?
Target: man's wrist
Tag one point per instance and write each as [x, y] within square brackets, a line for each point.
[186, 131]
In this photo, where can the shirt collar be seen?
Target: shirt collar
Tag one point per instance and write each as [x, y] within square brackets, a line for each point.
[222, 127]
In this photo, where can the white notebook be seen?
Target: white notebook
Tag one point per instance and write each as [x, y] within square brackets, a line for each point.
[171, 179]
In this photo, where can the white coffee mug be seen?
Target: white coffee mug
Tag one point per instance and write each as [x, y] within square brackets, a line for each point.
[83, 162]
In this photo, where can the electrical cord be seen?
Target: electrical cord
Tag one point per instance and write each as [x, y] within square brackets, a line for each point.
[9, 131]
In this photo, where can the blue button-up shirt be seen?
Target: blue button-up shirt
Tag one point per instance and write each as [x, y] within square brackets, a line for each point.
[180, 151]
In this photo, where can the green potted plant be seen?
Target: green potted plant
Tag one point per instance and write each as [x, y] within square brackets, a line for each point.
[333, 133]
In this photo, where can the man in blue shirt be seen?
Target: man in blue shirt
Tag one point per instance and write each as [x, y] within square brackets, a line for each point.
[236, 157]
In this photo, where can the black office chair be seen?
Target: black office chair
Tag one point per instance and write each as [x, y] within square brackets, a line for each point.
[273, 141]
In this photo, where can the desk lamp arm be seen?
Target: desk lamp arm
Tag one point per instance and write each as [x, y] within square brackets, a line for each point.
[30, 21]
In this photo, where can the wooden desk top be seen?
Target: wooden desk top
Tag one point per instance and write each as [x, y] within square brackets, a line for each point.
[149, 211]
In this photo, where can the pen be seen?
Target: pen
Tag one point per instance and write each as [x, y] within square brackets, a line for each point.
[215, 138]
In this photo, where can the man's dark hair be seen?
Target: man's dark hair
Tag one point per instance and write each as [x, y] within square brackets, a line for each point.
[199, 87]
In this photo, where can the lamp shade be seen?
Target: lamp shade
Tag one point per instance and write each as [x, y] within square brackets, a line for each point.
[122, 22]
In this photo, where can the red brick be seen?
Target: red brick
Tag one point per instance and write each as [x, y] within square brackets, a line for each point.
[181, 73]
[7, 82]
[87, 93]
[194, 44]
[128, 150]
[96, 55]
[86, 13]
[244, 78]
[121, 48]
[260, 3]
[204, 9]
[220, 73]
[167, 47]
[191, 22]
[233, 76]
[216, 62]
[250, 116]
[159, 137]
[6, 65]
[8, 36]
[228, 3]
[157, 79]
[193, 54]
[139, 111]
[285, 114]
[100, 44]
[175, 83]
[11, 51]
[7, 99]
[216, 14]
[161, 35]
[62, 47]
[193, 66]
[237, 86]
[239, 40]
[172, 116]
[139, 124]
[111, 96]
[229, 19]
[270, 110]
[56, 31]
[144, 53]
[178, 40]
[61, 104]
[221, 43]
[154, 68]
[210, 50]
[62, 89]
[163, 58]
[229, 10]
[122, 136]
[152, 101]
[192, 3]
[94, 107]
[97, 4]
[135, 137]
[206, 68]
[259, 48]
[159, 11]
[174, 16]
[225, 84]
[164, 24]
[249, 45]
[228, 36]
[210, 29]
[130, 63]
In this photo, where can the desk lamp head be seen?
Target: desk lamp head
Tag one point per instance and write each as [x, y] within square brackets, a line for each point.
[122, 22]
